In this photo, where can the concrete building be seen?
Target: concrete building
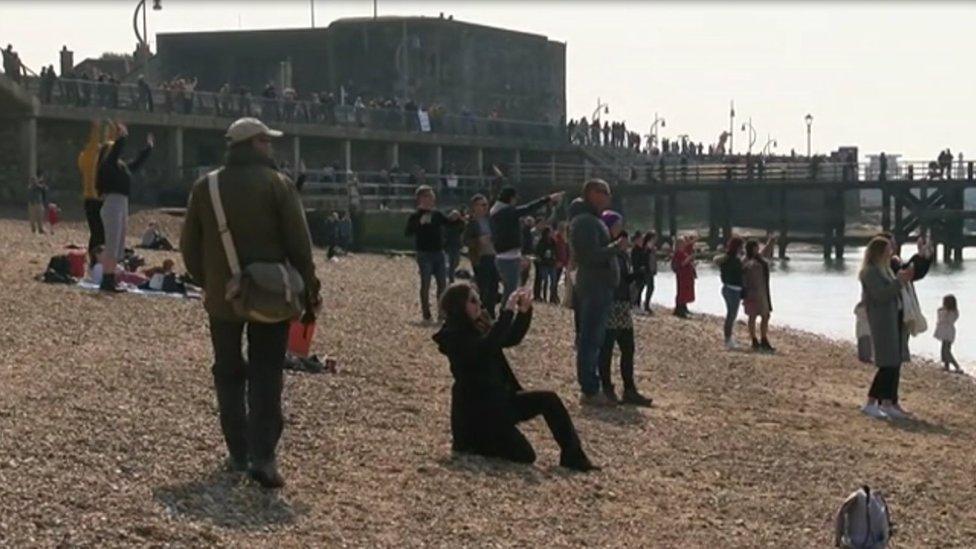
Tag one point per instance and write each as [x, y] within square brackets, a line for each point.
[429, 60]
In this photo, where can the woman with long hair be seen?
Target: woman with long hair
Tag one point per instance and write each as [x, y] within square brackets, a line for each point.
[487, 401]
[757, 301]
[881, 295]
[730, 270]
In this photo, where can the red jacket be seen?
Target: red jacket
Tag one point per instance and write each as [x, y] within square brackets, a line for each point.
[562, 251]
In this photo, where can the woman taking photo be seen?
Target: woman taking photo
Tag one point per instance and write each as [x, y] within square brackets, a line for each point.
[730, 269]
[881, 294]
[756, 301]
[487, 402]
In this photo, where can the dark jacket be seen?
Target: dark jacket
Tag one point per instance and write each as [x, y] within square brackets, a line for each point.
[484, 384]
[591, 248]
[545, 251]
[730, 270]
[638, 260]
[627, 277]
[506, 229]
[428, 237]
[265, 217]
[115, 174]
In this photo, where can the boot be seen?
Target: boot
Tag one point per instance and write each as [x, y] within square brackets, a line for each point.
[633, 397]
[267, 475]
[576, 460]
[108, 284]
[766, 346]
[755, 345]
[236, 464]
[611, 394]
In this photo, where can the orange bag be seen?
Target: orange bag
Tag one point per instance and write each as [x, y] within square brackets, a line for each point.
[300, 338]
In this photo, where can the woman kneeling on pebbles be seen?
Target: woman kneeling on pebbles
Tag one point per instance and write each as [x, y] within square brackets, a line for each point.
[487, 402]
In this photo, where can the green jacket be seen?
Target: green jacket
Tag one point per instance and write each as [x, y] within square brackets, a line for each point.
[266, 218]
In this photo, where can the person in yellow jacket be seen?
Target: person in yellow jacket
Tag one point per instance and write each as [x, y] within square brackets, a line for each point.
[88, 166]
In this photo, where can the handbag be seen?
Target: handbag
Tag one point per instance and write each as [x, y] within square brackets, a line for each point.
[263, 292]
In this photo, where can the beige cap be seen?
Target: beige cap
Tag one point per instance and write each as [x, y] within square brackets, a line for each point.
[246, 128]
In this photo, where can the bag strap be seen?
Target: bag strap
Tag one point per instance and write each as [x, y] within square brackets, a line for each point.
[225, 237]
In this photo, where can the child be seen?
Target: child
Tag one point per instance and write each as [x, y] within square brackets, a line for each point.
[53, 215]
[862, 330]
[945, 330]
[620, 324]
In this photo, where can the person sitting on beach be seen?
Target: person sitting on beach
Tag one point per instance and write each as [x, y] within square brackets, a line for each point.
[945, 330]
[153, 239]
[96, 274]
[487, 401]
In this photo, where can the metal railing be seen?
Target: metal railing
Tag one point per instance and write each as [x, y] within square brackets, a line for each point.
[105, 95]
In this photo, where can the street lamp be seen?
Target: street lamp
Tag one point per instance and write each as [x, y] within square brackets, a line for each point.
[143, 38]
[769, 142]
[600, 105]
[752, 133]
[809, 120]
[652, 133]
[731, 125]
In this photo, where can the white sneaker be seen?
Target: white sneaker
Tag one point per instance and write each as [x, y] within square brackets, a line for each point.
[731, 345]
[893, 412]
[874, 411]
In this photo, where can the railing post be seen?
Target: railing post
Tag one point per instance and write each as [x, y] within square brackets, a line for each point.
[969, 171]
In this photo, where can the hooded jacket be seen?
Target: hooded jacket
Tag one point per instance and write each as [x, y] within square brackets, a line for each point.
[484, 383]
[88, 164]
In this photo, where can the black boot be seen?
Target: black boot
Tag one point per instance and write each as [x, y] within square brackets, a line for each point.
[108, 284]
[755, 345]
[766, 346]
[611, 394]
[576, 460]
[633, 397]
[267, 475]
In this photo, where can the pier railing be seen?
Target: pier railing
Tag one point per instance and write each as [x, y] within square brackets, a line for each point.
[116, 96]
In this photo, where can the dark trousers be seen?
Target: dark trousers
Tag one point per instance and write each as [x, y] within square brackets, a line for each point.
[453, 260]
[431, 264]
[487, 278]
[637, 290]
[96, 230]
[512, 445]
[546, 277]
[885, 384]
[249, 391]
[537, 282]
[649, 286]
[625, 340]
[557, 273]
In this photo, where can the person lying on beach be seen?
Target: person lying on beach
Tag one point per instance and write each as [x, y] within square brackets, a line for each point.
[487, 401]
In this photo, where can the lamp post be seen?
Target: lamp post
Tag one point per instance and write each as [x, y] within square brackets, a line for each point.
[652, 133]
[143, 37]
[600, 105]
[752, 133]
[769, 142]
[731, 126]
[809, 120]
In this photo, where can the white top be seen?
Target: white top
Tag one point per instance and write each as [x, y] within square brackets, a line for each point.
[945, 327]
[861, 327]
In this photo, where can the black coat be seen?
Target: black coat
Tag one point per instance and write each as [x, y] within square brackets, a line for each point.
[484, 384]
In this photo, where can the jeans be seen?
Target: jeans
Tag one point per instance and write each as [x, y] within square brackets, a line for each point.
[636, 290]
[547, 282]
[733, 298]
[430, 264]
[249, 391]
[486, 276]
[885, 384]
[593, 311]
[649, 286]
[625, 340]
[509, 270]
[453, 260]
[947, 357]
[557, 273]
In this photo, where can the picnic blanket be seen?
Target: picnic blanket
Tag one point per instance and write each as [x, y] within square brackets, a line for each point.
[90, 286]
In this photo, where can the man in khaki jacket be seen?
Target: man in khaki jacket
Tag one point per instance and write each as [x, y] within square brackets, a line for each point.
[267, 222]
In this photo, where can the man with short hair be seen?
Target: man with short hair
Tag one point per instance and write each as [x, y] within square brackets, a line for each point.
[506, 231]
[426, 225]
[597, 275]
[266, 221]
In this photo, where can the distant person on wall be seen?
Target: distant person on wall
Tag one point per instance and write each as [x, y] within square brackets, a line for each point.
[683, 265]
[597, 276]
[145, 98]
[650, 249]
[506, 230]
[945, 330]
[426, 225]
[758, 301]
[114, 183]
[487, 401]
[881, 291]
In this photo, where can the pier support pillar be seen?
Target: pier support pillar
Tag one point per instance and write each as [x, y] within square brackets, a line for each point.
[658, 211]
[296, 145]
[28, 131]
[840, 226]
[347, 156]
[673, 214]
[175, 157]
[784, 224]
[713, 236]
[393, 155]
[885, 208]
[517, 165]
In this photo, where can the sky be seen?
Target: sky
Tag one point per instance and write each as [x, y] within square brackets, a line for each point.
[892, 76]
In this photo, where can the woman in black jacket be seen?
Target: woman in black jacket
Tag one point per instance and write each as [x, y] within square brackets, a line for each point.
[487, 402]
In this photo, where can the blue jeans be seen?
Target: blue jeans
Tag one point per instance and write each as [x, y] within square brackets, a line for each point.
[592, 312]
[509, 270]
[732, 300]
[431, 264]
